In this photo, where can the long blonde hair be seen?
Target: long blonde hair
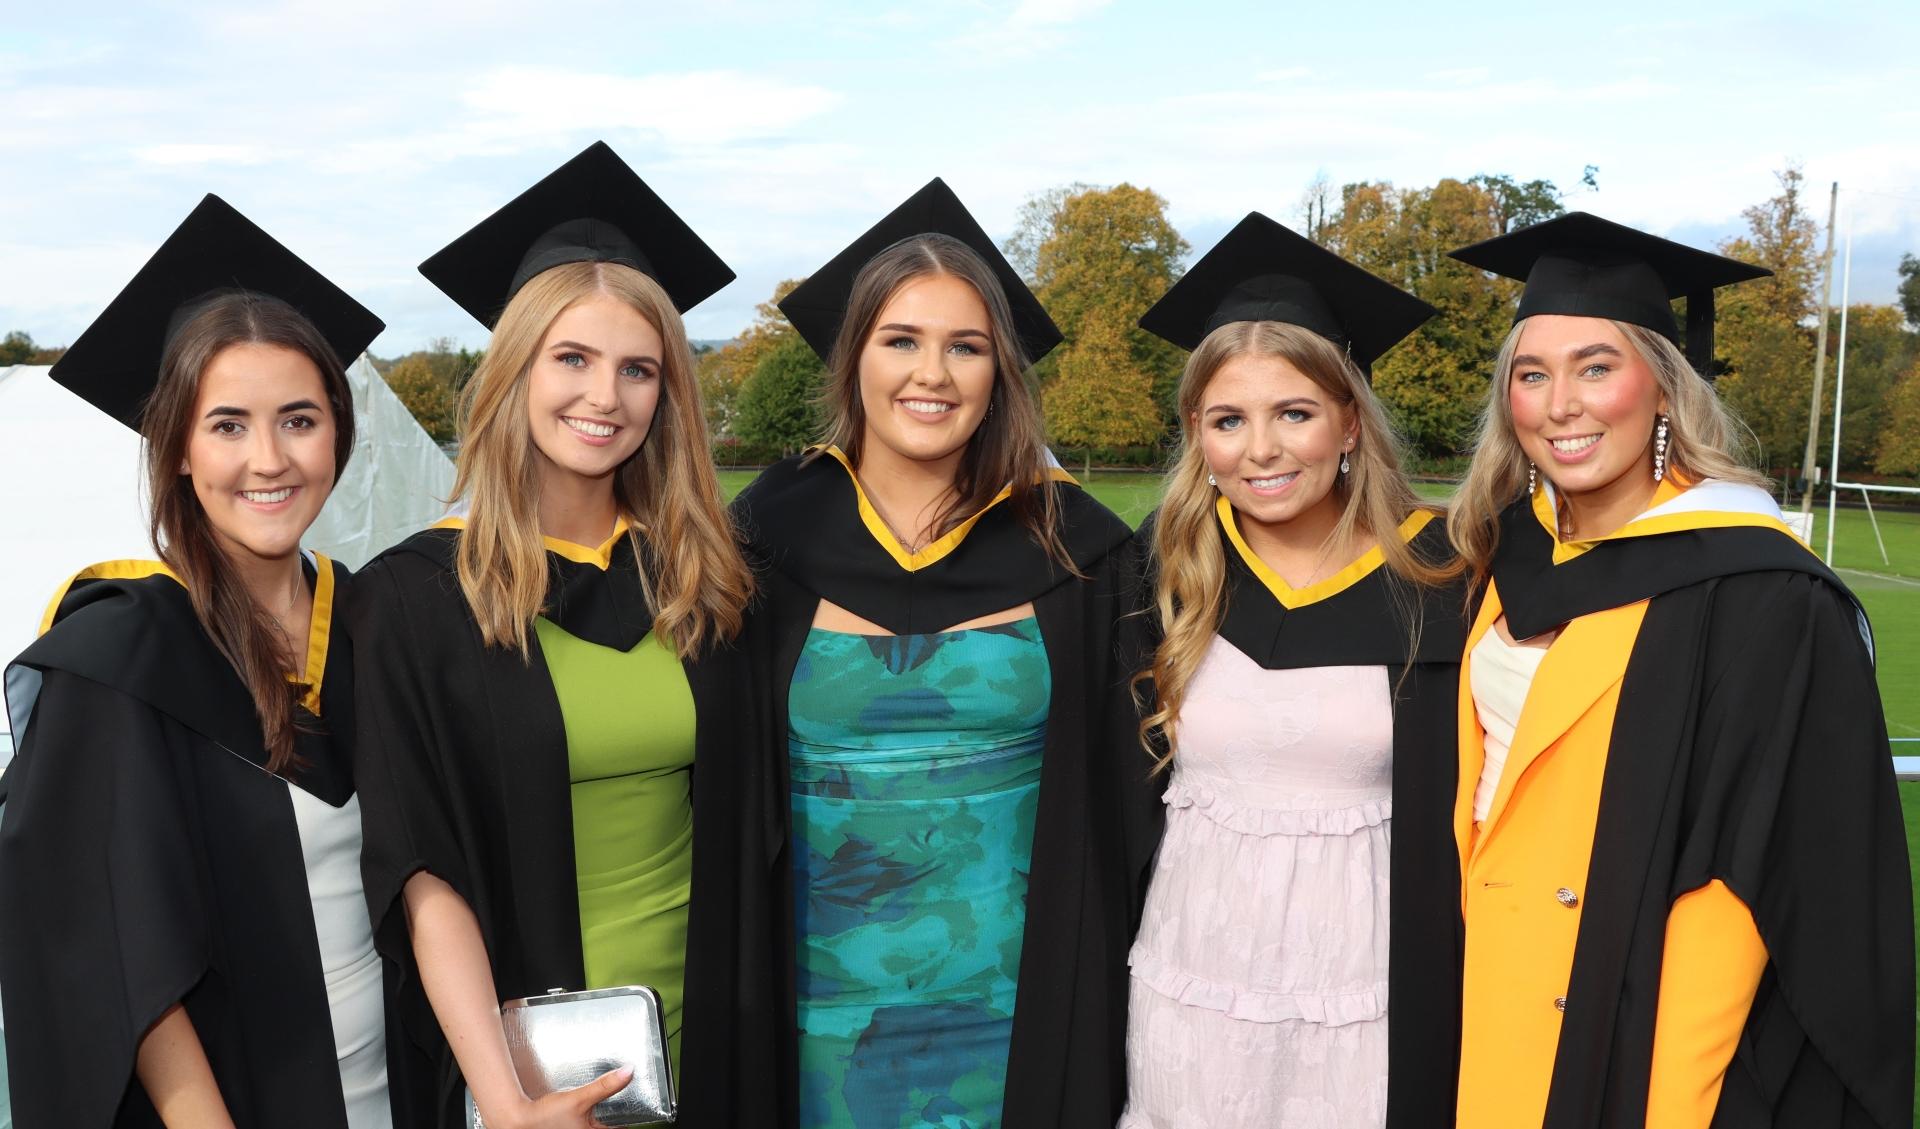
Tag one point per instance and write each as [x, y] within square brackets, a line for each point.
[1009, 447]
[1191, 575]
[1703, 441]
[667, 491]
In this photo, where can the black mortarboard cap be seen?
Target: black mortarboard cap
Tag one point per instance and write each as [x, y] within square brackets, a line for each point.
[817, 306]
[1583, 265]
[1262, 271]
[593, 209]
[114, 362]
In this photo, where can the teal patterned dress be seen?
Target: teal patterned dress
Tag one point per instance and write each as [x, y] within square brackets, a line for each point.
[916, 772]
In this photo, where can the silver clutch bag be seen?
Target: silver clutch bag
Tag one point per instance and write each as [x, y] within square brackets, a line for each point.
[566, 1039]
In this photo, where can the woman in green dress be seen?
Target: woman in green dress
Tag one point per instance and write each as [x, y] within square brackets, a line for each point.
[544, 669]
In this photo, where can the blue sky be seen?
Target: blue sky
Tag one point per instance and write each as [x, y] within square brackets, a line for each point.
[367, 133]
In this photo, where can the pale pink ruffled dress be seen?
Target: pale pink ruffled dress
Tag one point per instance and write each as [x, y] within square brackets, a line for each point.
[1259, 990]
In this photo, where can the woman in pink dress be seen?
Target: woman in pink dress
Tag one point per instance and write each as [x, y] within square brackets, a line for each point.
[1303, 693]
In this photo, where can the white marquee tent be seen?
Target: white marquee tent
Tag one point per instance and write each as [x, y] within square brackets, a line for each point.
[71, 492]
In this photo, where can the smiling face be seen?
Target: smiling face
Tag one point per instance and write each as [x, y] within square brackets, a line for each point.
[593, 388]
[1272, 439]
[261, 450]
[926, 371]
[1583, 403]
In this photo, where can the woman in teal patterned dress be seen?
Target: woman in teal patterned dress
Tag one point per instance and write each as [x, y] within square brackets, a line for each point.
[916, 774]
[969, 814]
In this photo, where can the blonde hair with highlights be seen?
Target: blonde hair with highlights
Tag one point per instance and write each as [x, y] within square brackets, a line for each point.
[1703, 441]
[667, 491]
[1191, 575]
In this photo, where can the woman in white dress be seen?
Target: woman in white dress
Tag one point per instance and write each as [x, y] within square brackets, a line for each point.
[1304, 692]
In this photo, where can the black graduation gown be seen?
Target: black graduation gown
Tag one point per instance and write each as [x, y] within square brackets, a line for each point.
[1370, 623]
[463, 758]
[147, 858]
[1749, 746]
[1097, 820]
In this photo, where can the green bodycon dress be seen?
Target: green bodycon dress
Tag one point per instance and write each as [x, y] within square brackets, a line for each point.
[630, 727]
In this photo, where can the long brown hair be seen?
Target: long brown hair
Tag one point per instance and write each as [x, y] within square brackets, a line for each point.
[667, 491]
[240, 628]
[1703, 441]
[1191, 574]
[1009, 448]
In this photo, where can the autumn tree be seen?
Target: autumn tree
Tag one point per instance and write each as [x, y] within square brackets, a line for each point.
[1910, 289]
[426, 395]
[1100, 397]
[1099, 257]
[1434, 383]
[1762, 341]
[778, 403]
[723, 372]
[1898, 450]
[453, 365]
[1879, 350]
[16, 348]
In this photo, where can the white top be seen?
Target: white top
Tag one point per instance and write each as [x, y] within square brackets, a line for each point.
[1502, 674]
[330, 843]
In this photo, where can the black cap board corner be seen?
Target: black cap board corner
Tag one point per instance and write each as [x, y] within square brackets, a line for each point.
[1583, 265]
[115, 361]
[817, 306]
[593, 208]
[1264, 271]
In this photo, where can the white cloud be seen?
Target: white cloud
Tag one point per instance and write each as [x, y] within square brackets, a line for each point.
[201, 154]
[1030, 14]
[702, 108]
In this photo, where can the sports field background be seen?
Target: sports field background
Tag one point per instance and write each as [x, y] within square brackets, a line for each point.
[1890, 591]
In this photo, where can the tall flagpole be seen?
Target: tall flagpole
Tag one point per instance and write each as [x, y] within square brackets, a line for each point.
[1839, 395]
[1819, 364]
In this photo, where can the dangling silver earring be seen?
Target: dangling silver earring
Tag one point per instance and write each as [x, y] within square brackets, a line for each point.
[1533, 477]
[1210, 481]
[1344, 467]
[1660, 449]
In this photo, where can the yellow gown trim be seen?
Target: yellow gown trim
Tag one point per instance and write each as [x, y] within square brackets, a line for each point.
[319, 626]
[934, 551]
[1291, 597]
[1669, 489]
[600, 557]
[105, 570]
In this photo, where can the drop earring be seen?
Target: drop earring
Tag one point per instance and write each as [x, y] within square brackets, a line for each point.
[1660, 449]
[1533, 477]
[1344, 466]
[1210, 481]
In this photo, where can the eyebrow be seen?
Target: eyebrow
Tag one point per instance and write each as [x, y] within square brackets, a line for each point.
[229, 410]
[898, 327]
[579, 347]
[1597, 349]
[1280, 405]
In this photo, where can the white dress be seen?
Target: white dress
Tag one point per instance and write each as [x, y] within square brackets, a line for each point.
[356, 998]
[1259, 975]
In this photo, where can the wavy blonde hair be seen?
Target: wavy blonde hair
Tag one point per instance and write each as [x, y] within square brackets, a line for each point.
[1704, 440]
[1191, 564]
[668, 492]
